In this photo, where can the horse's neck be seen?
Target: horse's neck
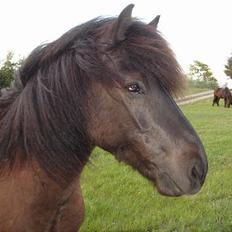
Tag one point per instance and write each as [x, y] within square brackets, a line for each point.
[34, 202]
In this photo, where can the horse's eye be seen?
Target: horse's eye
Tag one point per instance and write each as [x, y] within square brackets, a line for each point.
[135, 88]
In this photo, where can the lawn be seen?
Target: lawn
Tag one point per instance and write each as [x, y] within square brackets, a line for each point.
[119, 199]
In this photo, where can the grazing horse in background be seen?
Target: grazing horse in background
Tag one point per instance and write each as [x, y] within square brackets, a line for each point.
[223, 93]
[107, 83]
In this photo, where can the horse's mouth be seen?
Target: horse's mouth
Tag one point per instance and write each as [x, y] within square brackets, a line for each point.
[165, 184]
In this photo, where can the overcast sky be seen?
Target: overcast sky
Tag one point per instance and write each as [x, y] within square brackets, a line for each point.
[195, 29]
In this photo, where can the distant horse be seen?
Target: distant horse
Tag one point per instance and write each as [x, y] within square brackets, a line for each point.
[107, 83]
[223, 93]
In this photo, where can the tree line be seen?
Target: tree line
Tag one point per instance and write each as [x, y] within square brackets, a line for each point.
[200, 75]
[7, 69]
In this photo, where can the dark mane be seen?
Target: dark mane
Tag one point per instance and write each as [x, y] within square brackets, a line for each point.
[43, 114]
[76, 40]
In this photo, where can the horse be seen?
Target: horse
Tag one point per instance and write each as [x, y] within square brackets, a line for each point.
[223, 93]
[109, 82]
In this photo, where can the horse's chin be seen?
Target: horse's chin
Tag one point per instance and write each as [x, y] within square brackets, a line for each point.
[166, 186]
[168, 192]
[162, 181]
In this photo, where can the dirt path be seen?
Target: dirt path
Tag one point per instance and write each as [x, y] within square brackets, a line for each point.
[194, 98]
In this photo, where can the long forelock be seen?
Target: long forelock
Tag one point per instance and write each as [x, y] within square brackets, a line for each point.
[148, 52]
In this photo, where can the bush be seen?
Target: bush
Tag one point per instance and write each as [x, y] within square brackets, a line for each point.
[7, 70]
[202, 84]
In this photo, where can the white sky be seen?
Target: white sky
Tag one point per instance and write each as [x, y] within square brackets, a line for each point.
[196, 29]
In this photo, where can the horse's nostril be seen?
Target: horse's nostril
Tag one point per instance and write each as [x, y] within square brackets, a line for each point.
[194, 173]
[197, 173]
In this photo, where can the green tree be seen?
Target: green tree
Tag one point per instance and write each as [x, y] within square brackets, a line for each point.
[228, 67]
[7, 70]
[201, 75]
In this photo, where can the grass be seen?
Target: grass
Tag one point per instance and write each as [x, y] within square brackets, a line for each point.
[119, 199]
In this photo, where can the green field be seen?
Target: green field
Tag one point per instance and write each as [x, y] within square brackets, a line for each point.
[119, 199]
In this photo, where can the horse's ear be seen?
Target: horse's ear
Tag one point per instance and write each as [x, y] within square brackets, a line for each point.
[154, 22]
[122, 23]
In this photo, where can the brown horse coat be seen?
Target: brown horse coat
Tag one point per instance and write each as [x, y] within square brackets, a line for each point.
[223, 93]
[31, 202]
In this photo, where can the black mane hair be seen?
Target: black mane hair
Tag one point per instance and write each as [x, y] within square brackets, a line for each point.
[43, 115]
